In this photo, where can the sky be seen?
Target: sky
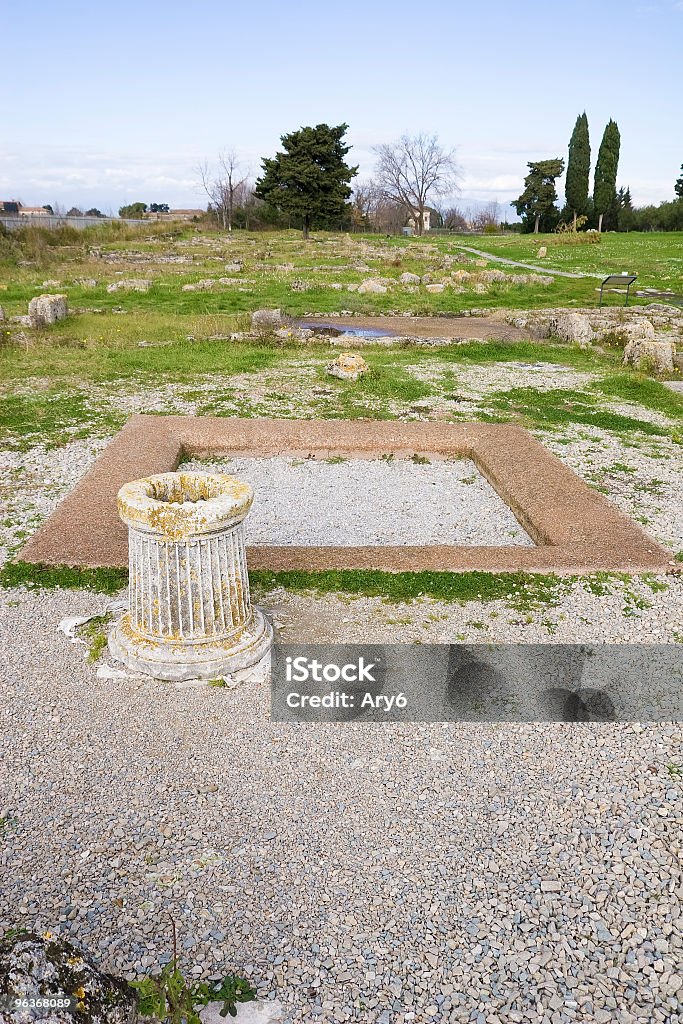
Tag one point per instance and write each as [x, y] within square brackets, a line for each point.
[109, 104]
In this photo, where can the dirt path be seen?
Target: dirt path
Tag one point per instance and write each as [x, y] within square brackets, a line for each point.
[424, 326]
[527, 266]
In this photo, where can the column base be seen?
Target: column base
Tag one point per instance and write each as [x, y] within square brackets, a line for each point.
[203, 659]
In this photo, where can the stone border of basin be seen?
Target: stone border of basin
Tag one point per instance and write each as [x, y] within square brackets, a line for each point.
[574, 527]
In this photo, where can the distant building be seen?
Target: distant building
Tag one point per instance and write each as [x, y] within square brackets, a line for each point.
[175, 215]
[34, 211]
[9, 207]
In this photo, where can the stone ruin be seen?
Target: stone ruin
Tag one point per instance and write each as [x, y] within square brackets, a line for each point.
[348, 366]
[190, 614]
[44, 310]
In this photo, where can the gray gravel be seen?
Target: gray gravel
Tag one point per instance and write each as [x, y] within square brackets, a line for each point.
[368, 873]
[359, 501]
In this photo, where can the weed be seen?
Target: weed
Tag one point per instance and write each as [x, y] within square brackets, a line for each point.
[169, 998]
[95, 633]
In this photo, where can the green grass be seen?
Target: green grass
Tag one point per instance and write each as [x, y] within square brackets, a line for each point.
[54, 406]
[633, 387]
[53, 418]
[657, 257]
[167, 312]
[181, 360]
[95, 633]
[62, 577]
[519, 589]
[563, 406]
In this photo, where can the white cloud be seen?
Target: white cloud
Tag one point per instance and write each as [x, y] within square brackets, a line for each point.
[75, 176]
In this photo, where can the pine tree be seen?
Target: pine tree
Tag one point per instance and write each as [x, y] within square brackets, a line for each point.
[537, 202]
[578, 168]
[678, 187]
[605, 185]
[310, 180]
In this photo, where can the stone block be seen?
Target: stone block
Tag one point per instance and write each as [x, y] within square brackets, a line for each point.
[572, 327]
[266, 319]
[370, 287]
[44, 310]
[131, 284]
[653, 356]
[33, 966]
[348, 366]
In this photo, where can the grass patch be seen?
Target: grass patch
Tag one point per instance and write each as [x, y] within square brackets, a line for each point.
[445, 586]
[525, 352]
[181, 360]
[62, 577]
[655, 255]
[53, 418]
[521, 590]
[386, 382]
[563, 406]
[651, 394]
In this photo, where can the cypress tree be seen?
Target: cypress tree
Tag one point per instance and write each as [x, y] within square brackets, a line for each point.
[605, 185]
[578, 168]
[678, 187]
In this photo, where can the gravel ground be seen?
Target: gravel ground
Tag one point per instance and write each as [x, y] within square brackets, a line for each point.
[360, 501]
[370, 873]
[382, 874]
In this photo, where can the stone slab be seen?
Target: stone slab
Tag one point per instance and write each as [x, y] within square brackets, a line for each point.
[574, 527]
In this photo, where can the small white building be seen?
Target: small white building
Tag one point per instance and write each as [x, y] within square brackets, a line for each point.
[413, 221]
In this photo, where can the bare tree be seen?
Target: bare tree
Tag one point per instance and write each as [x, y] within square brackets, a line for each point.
[363, 202]
[486, 218]
[454, 219]
[413, 170]
[224, 187]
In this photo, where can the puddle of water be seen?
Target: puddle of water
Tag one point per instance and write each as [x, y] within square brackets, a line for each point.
[343, 331]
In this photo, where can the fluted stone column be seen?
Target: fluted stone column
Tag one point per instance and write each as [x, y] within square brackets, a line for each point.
[190, 613]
